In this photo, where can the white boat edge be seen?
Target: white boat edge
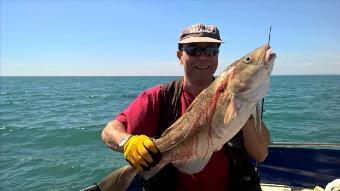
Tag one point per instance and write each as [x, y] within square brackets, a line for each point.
[277, 187]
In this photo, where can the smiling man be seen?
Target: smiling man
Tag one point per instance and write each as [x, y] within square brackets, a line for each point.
[155, 109]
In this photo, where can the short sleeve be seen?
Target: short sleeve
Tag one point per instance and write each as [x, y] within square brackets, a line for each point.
[142, 115]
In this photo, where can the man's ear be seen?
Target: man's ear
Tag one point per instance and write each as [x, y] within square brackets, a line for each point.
[179, 55]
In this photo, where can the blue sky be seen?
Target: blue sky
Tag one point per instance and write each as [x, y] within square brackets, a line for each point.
[110, 38]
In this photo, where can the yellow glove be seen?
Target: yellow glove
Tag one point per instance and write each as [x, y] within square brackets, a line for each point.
[141, 153]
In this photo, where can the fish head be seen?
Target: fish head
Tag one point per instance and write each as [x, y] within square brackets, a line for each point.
[249, 79]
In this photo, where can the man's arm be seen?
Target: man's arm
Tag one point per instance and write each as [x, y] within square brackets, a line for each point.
[256, 142]
[113, 133]
[139, 150]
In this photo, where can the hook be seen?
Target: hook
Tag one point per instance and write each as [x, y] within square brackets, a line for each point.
[270, 31]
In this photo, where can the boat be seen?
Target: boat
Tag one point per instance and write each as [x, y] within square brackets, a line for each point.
[299, 166]
[290, 166]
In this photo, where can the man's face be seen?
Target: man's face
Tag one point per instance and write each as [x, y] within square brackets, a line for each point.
[199, 68]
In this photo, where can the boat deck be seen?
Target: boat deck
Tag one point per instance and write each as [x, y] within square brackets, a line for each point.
[277, 187]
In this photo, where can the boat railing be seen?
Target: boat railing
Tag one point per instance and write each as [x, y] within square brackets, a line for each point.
[304, 144]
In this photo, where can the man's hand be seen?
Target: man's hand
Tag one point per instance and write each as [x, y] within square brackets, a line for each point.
[141, 153]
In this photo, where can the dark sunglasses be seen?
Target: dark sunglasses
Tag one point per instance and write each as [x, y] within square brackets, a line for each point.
[197, 51]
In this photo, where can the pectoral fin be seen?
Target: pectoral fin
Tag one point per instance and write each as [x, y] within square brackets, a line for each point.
[232, 109]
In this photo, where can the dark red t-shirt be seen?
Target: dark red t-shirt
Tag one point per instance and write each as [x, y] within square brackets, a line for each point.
[141, 117]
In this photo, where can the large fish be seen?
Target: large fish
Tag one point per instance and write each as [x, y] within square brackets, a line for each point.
[213, 118]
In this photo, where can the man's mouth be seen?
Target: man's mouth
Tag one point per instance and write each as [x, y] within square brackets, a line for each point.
[202, 67]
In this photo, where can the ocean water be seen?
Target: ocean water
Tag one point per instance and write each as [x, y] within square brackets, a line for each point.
[50, 126]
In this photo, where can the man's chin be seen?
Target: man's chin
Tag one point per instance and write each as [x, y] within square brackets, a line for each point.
[204, 76]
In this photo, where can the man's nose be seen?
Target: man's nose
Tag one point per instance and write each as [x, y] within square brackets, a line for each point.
[204, 56]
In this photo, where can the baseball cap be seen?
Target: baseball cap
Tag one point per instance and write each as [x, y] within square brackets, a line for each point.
[200, 33]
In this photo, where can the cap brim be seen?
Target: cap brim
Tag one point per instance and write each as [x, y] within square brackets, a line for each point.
[199, 39]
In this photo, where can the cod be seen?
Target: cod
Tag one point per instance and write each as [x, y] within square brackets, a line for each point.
[213, 118]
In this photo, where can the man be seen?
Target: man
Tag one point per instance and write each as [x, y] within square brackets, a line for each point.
[154, 110]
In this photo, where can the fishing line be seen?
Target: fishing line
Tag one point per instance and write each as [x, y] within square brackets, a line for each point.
[270, 31]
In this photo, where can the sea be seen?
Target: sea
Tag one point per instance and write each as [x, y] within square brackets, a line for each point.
[50, 127]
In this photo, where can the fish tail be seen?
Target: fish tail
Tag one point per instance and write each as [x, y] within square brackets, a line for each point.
[118, 180]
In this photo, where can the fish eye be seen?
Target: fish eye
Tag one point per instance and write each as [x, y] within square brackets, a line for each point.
[247, 59]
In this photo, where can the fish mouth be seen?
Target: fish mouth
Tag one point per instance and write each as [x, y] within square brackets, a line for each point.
[269, 56]
[202, 67]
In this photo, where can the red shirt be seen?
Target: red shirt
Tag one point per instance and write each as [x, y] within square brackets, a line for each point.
[141, 117]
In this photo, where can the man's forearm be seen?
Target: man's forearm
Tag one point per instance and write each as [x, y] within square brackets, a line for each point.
[256, 142]
[113, 133]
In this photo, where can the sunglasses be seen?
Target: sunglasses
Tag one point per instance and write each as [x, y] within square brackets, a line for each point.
[197, 51]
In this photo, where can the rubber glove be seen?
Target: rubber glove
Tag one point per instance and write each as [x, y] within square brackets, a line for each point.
[141, 153]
